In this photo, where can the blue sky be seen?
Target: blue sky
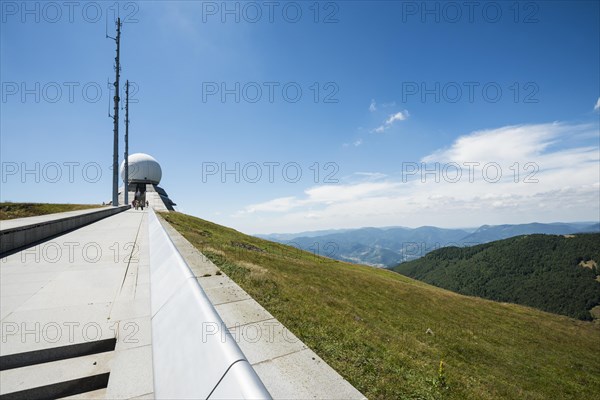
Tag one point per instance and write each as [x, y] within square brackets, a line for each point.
[388, 89]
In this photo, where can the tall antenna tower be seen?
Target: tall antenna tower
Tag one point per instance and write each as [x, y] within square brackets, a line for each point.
[115, 191]
[126, 187]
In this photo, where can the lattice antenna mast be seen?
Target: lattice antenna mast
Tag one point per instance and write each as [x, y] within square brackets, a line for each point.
[126, 188]
[115, 191]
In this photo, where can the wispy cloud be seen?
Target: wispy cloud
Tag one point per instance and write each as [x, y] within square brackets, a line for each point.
[389, 122]
[276, 205]
[373, 106]
[399, 116]
[506, 143]
[370, 175]
[355, 143]
[322, 195]
[597, 106]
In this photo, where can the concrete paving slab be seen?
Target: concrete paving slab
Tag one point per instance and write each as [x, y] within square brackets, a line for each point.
[135, 332]
[122, 310]
[9, 303]
[304, 375]
[242, 312]
[21, 288]
[215, 281]
[26, 276]
[142, 292]
[147, 396]
[28, 267]
[131, 373]
[29, 330]
[226, 294]
[92, 286]
[265, 340]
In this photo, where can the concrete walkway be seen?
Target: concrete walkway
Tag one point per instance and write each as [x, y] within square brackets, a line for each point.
[76, 314]
[87, 287]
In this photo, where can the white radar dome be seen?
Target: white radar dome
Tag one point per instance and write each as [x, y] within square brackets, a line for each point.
[143, 168]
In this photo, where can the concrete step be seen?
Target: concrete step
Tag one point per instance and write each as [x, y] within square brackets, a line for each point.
[58, 378]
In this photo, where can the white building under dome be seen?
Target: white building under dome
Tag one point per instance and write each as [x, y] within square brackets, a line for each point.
[145, 174]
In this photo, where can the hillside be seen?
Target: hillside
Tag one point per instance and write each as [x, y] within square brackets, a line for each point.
[487, 233]
[371, 326]
[548, 272]
[387, 247]
[21, 210]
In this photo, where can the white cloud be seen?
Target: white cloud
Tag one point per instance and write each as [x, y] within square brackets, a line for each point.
[370, 175]
[545, 176]
[276, 205]
[506, 143]
[355, 143]
[373, 106]
[597, 106]
[321, 195]
[399, 116]
[330, 194]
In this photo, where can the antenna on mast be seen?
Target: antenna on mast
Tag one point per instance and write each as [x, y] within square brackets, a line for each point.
[126, 187]
[115, 189]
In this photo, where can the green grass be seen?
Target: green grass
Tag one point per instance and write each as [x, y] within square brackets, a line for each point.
[370, 325]
[20, 210]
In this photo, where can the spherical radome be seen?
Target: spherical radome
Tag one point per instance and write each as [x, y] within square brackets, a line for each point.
[143, 168]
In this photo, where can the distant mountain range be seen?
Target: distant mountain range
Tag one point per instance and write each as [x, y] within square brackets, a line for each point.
[387, 247]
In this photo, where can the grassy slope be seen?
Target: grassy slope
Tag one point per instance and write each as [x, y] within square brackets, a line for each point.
[370, 325]
[22, 210]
